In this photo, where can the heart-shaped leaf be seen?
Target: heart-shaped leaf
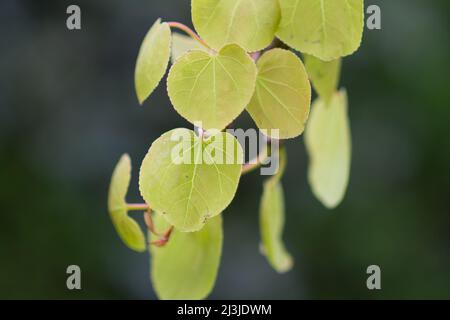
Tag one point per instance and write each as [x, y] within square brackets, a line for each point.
[186, 267]
[325, 29]
[152, 60]
[182, 44]
[248, 23]
[189, 179]
[128, 230]
[283, 94]
[272, 221]
[212, 89]
[324, 75]
[328, 143]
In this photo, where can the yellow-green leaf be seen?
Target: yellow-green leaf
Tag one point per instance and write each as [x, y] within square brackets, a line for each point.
[249, 23]
[128, 230]
[283, 94]
[182, 44]
[324, 75]
[152, 60]
[212, 89]
[328, 143]
[186, 267]
[189, 179]
[326, 29]
[272, 215]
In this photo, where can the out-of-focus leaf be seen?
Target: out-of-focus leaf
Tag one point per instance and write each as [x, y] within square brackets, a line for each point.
[128, 230]
[272, 216]
[186, 267]
[283, 94]
[152, 60]
[324, 75]
[181, 44]
[328, 143]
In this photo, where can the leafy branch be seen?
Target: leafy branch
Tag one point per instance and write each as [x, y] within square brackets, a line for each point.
[230, 64]
[246, 168]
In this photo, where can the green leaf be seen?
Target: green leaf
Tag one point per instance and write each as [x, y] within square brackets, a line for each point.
[190, 180]
[272, 221]
[283, 94]
[212, 89]
[249, 23]
[323, 28]
[186, 267]
[324, 75]
[128, 230]
[152, 60]
[328, 143]
[181, 44]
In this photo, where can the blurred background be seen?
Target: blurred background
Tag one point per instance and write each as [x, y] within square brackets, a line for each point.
[68, 111]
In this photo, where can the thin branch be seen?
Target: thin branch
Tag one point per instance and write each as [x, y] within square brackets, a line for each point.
[149, 222]
[256, 162]
[161, 242]
[137, 207]
[190, 32]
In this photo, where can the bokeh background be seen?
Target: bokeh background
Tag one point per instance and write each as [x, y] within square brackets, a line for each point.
[68, 111]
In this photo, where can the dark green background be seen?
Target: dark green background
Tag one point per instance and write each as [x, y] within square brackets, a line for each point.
[68, 111]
